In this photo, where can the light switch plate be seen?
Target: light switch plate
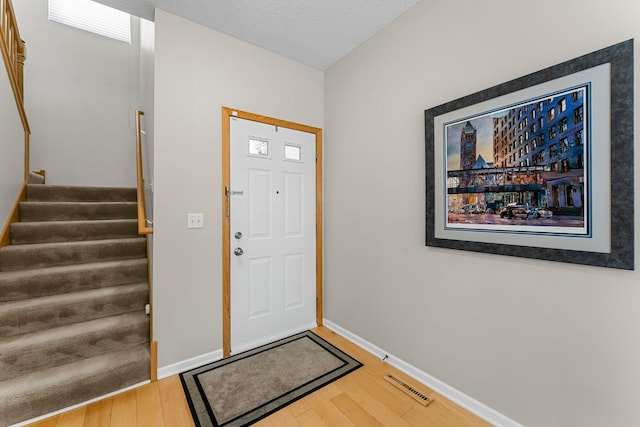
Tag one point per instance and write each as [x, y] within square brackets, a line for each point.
[195, 220]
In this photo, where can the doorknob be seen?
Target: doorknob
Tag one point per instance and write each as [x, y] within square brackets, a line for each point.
[238, 251]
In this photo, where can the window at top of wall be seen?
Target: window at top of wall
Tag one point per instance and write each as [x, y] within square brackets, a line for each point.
[91, 16]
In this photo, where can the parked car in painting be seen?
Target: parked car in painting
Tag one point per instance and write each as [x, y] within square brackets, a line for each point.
[515, 210]
[537, 212]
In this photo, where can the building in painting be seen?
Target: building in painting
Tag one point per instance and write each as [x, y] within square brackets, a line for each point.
[548, 133]
[538, 158]
[470, 178]
[468, 143]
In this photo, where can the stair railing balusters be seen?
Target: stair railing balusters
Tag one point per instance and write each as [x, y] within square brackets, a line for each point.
[13, 51]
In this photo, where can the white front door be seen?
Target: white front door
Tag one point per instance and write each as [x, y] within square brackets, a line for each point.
[272, 230]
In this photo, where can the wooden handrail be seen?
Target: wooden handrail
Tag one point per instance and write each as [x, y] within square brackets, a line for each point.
[142, 210]
[13, 55]
[13, 52]
[14, 45]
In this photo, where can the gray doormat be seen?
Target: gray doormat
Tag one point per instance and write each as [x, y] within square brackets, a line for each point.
[246, 387]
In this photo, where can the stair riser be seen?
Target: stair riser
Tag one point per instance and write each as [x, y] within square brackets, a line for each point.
[24, 233]
[67, 345]
[35, 178]
[55, 193]
[62, 387]
[40, 283]
[21, 257]
[24, 319]
[30, 211]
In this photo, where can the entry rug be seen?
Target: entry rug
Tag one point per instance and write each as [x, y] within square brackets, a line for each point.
[248, 386]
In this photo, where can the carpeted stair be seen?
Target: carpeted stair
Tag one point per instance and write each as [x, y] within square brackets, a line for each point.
[73, 290]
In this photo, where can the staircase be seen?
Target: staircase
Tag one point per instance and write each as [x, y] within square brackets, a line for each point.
[73, 290]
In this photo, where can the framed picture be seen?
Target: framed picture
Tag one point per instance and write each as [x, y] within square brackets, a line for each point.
[540, 166]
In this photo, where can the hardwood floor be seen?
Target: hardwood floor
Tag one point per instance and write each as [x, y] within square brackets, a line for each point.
[362, 398]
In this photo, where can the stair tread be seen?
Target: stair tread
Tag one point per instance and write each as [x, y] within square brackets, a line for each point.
[45, 246]
[63, 211]
[80, 368]
[31, 352]
[70, 384]
[30, 315]
[81, 187]
[66, 331]
[32, 283]
[85, 187]
[80, 193]
[89, 266]
[79, 202]
[73, 297]
[25, 233]
[74, 221]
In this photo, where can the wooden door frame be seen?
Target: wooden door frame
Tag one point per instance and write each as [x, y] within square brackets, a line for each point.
[227, 113]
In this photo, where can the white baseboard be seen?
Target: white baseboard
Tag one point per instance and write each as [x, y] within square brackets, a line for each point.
[483, 411]
[470, 404]
[185, 365]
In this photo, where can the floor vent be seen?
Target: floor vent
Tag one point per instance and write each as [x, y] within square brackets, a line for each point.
[407, 389]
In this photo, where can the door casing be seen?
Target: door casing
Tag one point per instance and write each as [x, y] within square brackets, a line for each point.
[227, 113]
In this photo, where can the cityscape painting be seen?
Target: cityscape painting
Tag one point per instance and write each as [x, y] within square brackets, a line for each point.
[541, 166]
[521, 168]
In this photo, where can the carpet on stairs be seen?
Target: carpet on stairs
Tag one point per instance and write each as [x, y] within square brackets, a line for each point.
[73, 291]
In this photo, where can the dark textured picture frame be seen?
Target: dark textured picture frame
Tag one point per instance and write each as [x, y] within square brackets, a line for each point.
[621, 244]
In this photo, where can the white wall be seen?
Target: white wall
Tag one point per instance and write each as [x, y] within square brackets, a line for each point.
[197, 72]
[78, 96]
[546, 344]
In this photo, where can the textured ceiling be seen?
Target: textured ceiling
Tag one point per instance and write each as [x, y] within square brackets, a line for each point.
[313, 32]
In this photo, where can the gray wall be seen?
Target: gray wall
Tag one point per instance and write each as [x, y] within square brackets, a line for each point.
[546, 344]
[80, 90]
[197, 72]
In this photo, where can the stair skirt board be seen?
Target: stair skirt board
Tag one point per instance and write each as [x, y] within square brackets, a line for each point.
[73, 291]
